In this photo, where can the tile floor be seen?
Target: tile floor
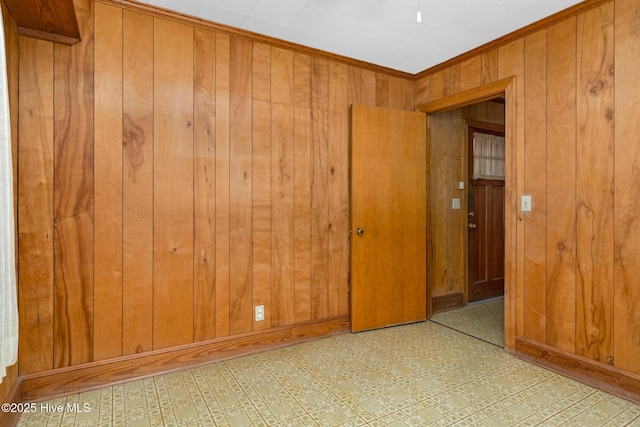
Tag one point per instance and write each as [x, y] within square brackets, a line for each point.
[483, 320]
[414, 375]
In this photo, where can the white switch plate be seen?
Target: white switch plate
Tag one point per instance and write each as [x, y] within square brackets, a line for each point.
[455, 204]
[259, 313]
[525, 203]
[461, 185]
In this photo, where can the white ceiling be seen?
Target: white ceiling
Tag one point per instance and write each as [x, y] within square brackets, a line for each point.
[382, 32]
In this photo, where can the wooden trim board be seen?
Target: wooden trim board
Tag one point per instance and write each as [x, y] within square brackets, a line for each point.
[89, 376]
[10, 419]
[447, 302]
[467, 97]
[606, 378]
[43, 35]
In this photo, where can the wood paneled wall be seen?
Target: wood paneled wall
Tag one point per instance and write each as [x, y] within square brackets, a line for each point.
[12, 54]
[576, 145]
[171, 178]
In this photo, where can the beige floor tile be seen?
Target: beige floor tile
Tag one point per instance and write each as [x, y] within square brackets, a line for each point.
[284, 409]
[337, 415]
[479, 320]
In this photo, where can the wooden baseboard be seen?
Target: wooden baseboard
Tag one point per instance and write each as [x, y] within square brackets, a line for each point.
[447, 302]
[10, 419]
[604, 377]
[75, 379]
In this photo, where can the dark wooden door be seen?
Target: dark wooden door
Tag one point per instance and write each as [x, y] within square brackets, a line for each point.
[388, 217]
[486, 232]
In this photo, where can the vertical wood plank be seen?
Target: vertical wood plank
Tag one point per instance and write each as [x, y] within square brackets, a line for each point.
[626, 318]
[173, 184]
[204, 132]
[367, 85]
[408, 95]
[494, 112]
[73, 195]
[338, 87]
[535, 181]
[302, 81]
[302, 186]
[382, 90]
[594, 227]
[561, 194]
[471, 73]
[319, 84]
[510, 62]
[319, 214]
[362, 86]
[438, 226]
[338, 186]
[282, 82]
[108, 194]
[422, 90]
[456, 172]
[437, 85]
[282, 189]
[222, 184]
[319, 188]
[451, 77]
[35, 206]
[394, 94]
[489, 66]
[240, 200]
[262, 182]
[137, 140]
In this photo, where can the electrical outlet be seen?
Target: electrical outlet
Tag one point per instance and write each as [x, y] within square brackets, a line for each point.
[259, 313]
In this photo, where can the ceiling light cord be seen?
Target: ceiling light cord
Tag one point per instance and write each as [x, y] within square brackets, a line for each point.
[419, 15]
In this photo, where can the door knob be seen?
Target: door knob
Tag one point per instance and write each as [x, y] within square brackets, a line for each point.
[472, 226]
[359, 231]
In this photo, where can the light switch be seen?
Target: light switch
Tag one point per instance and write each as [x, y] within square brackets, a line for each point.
[461, 185]
[525, 203]
[455, 204]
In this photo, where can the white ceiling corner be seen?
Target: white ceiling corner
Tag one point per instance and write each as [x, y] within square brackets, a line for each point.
[382, 32]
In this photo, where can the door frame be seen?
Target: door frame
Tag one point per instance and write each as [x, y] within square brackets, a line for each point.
[514, 150]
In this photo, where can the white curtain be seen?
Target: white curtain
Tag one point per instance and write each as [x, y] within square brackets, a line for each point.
[488, 156]
[8, 296]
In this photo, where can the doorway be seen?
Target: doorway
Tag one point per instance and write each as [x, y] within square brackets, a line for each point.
[456, 211]
[467, 148]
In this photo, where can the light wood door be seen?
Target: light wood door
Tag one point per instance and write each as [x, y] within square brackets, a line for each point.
[389, 205]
